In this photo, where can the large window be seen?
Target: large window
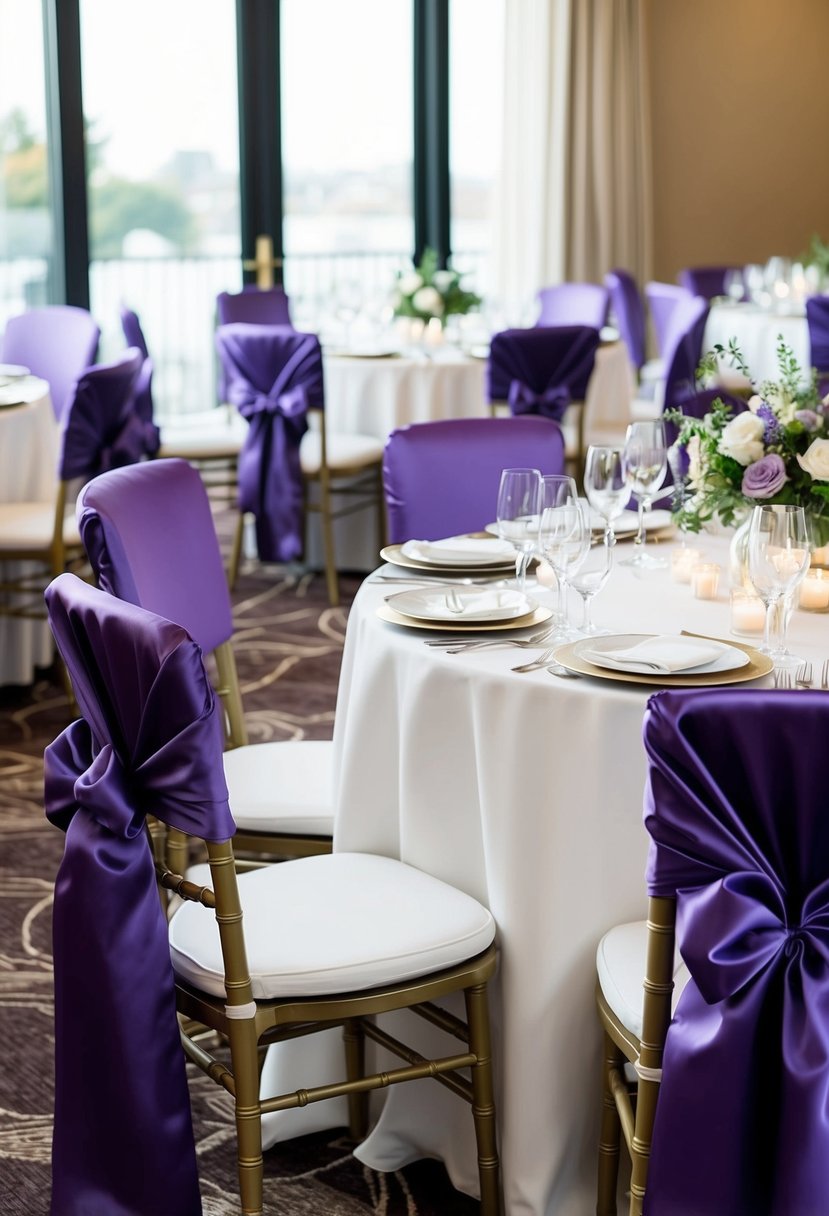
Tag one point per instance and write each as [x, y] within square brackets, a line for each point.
[162, 144]
[347, 150]
[475, 104]
[26, 230]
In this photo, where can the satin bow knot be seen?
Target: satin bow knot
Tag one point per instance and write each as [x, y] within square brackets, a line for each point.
[551, 402]
[292, 403]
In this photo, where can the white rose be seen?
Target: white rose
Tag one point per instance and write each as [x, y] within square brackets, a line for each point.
[694, 462]
[409, 283]
[754, 403]
[742, 438]
[428, 300]
[443, 279]
[815, 460]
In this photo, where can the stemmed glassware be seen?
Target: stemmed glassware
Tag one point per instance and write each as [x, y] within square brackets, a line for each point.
[645, 462]
[778, 558]
[563, 537]
[517, 515]
[605, 485]
[588, 578]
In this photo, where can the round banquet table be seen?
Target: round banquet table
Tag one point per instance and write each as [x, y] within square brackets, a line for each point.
[371, 395]
[525, 790]
[29, 441]
[756, 331]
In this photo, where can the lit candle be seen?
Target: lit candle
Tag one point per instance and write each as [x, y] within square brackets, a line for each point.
[748, 613]
[434, 332]
[820, 556]
[814, 591]
[683, 562]
[546, 575]
[705, 579]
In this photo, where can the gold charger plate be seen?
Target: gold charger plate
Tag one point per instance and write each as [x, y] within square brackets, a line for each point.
[537, 617]
[758, 665]
[392, 553]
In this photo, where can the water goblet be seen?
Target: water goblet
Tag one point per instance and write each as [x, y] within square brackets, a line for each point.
[645, 462]
[587, 579]
[605, 485]
[563, 538]
[517, 515]
[778, 558]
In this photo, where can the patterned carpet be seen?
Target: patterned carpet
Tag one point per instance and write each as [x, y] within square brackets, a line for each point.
[288, 644]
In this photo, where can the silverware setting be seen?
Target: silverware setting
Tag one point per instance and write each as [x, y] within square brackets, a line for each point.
[456, 646]
[824, 674]
[428, 579]
[803, 675]
[543, 660]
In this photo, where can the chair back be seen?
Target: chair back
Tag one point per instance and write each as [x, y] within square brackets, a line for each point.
[683, 349]
[273, 376]
[628, 311]
[541, 370]
[57, 343]
[149, 534]
[100, 430]
[143, 392]
[735, 809]
[706, 281]
[255, 306]
[149, 741]
[573, 304]
[817, 319]
[441, 478]
[662, 299]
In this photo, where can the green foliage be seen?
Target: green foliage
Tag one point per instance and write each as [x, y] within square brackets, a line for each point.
[817, 255]
[118, 206]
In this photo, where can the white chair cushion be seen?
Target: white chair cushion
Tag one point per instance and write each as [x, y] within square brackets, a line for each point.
[208, 434]
[620, 965]
[344, 452]
[338, 922]
[282, 787]
[29, 525]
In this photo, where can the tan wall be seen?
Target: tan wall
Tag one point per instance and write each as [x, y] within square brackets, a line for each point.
[740, 114]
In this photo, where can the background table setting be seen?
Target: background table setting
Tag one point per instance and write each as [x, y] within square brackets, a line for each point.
[29, 442]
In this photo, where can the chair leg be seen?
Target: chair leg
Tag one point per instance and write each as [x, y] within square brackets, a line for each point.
[236, 551]
[245, 1063]
[483, 1100]
[640, 1149]
[355, 1056]
[331, 581]
[610, 1133]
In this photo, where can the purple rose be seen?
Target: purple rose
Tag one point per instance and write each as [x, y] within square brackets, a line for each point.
[808, 418]
[765, 477]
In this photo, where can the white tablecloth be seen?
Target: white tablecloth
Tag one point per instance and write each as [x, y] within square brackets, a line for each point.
[29, 440]
[757, 331]
[526, 792]
[374, 396]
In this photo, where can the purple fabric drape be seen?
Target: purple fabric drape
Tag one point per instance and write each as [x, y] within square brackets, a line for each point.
[817, 319]
[100, 430]
[273, 376]
[540, 370]
[737, 815]
[150, 741]
[628, 312]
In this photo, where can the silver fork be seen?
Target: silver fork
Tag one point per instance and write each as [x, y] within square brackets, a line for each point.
[782, 678]
[803, 675]
[824, 674]
[456, 646]
[543, 660]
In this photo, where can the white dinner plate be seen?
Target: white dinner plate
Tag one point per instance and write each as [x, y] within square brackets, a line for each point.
[600, 652]
[394, 555]
[460, 551]
[571, 656]
[461, 604]
[625, 524]
[10, 397]
[538, 616]
[13, 371]
[368, 352]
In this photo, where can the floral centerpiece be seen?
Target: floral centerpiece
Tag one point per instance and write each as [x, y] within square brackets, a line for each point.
[777, 451]
[427, 291]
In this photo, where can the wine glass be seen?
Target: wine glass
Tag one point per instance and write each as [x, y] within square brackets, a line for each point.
[645, 462]
[734, 285]
[778, 558]
[563, 537]
[588, 578]
[605, 485]
[517, 515]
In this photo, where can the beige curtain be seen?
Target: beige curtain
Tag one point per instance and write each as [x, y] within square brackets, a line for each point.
[608, 210]
[529, 226]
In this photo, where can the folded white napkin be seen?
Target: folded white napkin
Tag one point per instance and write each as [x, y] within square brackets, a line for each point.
[482, 605]
[659, 654]
[459, 550]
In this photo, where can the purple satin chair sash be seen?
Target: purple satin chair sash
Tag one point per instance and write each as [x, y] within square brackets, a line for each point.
[150, 742]
[552, 402]
[273, 376]
[740, 835]
[533, 369]
[99, 431]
